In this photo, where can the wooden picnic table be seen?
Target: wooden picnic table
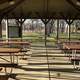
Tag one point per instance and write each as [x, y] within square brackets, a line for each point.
[11, 52]
[73, 47]
[70, 42]
[16, 44]
[23, 45]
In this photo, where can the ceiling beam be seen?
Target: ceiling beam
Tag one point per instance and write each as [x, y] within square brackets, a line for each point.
[7, 10]
[74, 5]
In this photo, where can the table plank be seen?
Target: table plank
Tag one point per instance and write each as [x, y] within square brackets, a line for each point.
[9, 50]
[15, 42]
[71, 46]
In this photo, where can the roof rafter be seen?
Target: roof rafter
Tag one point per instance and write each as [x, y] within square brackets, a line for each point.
[72, 4]
[7, 10]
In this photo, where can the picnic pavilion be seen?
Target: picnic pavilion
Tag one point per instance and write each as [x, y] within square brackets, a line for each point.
[20, 60]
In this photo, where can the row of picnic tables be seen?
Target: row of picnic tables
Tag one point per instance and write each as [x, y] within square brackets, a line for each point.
[72, 49]
[12, 49]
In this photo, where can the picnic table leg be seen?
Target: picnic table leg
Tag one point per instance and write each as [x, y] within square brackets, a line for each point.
[65, 51]
[7, 70]
[17, 59]
[79, 65]
[13, 58]
[74, 56]
[69, 55]
[24, 53]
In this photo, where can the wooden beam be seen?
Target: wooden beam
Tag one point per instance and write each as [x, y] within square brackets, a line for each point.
[69, 22]
[0, 28]
[45, 21]
[57, 29]
[74, 5]
[5, 11]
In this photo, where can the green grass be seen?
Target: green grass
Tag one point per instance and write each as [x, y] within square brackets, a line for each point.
[39, 37]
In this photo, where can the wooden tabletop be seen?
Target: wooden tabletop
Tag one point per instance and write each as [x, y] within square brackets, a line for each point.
[9, 50]
[71, 46]
[15, 42]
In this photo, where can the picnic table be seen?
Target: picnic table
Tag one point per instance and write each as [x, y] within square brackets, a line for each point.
[23, 45]
[74, 47]
[10, 52]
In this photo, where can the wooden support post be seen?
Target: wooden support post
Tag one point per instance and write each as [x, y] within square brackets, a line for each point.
[69, 32]
[68, 19]
[45, 21]
[20, 29]
[57, 29]
[7, 35]
[69, 22]
[0, 29]
[20, 21]
[45, 34]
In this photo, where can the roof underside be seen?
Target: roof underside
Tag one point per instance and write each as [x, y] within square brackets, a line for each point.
[57, 9]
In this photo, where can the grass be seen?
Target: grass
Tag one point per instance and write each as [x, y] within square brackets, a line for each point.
[39, 37]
